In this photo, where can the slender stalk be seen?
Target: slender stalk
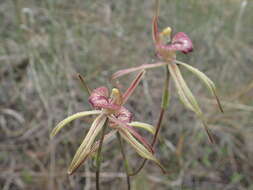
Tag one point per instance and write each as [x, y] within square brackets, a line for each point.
[164, 106]
[127, 168]
[86, 87]
[98, 158]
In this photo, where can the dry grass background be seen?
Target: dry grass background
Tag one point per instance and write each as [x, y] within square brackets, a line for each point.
[45, 43]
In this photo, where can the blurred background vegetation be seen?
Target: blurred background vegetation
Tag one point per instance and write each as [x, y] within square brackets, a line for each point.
[44, 44]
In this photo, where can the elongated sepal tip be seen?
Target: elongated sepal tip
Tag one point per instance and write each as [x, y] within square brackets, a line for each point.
[52, 134]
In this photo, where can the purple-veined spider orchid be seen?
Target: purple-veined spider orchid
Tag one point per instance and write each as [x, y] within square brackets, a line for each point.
[166, 46]
[111, 109]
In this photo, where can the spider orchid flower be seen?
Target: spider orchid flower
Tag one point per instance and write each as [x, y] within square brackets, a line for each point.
[166, 47]
[111, 109]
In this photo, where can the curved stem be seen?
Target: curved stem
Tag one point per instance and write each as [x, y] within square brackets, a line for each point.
[125, 161]
[98, 157]
[164, 106]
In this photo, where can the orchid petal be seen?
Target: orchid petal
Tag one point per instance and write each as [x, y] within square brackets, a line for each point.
[64, 122]
[187, 97]
[123, 72]
[84, 155]
[124, 126]
[155, 33]
[208, 82]
[181, 86]
[180, 42]
[85, 147]
[146, 126]
[132, 87]
[107, 139]
[139, 148]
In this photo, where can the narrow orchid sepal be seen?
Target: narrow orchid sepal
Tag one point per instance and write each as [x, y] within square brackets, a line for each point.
[146, 126]
[89, 139]
[124, 126]
[133, 86]
[140, 149]
[123, 72]
[64, 122]
[155, 32]
[187, 97]
[183, 90]
[207, 81]
[107, 139]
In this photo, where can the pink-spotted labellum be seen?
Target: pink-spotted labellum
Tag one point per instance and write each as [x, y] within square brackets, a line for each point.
[166, 47]
[111, 109]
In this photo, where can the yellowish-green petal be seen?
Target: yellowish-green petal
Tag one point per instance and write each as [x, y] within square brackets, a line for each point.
[139, 148]
[146, 126]
[187, 97]
[87, 143]
[207, 81]
[85, 154]
[183, 90]
[64, 122]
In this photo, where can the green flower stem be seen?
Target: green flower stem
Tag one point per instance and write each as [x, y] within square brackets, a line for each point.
[98, 157]
[126, 164]
[165, 98]
[164, 106]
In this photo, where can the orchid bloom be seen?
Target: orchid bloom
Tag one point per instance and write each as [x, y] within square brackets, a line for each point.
[166, 47]
[111, 109]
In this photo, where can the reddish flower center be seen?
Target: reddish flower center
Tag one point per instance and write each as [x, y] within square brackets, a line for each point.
[100, 99]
